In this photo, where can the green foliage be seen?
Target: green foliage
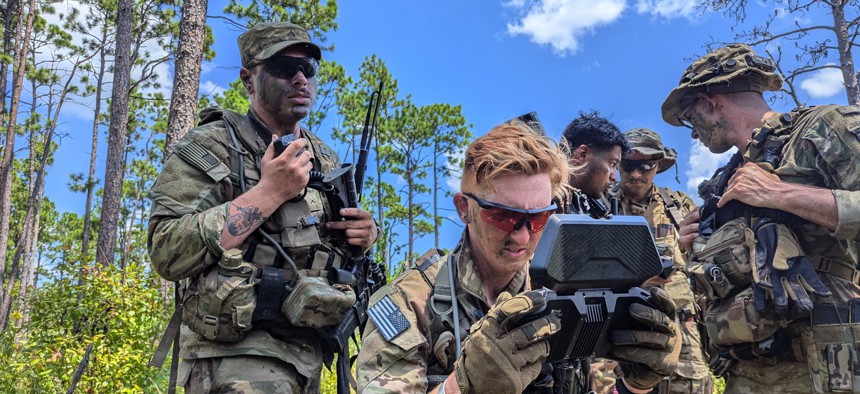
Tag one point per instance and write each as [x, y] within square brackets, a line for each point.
[719, 385]
[234, 99]
[119, 312]
[314, 15]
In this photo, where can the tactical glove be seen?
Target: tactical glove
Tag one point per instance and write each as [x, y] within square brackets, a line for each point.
[502, 354]
[781, 270]
[646, 357]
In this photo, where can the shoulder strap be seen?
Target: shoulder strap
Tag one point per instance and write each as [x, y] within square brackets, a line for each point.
[672, 206]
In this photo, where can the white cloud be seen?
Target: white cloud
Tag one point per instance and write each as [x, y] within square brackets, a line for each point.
[701, 166]
[667, 8]
[210, 89]
[456, 171]
[83, 107]
[562, 23]
[824, 83]
[206, 66]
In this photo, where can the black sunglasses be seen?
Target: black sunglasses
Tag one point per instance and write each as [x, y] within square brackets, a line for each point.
[286, 67]
[641, 165]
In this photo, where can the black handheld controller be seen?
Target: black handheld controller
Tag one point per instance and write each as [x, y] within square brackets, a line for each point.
[590, 271]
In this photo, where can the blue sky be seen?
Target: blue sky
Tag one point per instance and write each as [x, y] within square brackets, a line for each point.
[502, 59]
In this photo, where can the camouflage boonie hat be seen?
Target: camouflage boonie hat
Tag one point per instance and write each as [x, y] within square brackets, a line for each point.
[732, 68]
[648, 142]
[264, 40]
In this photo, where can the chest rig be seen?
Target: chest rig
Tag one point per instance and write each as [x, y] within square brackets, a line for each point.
[297, 225]
[294, 234]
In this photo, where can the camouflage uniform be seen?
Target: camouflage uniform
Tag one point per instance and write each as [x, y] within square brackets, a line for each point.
[817, 147]
[692, 375]
[663, 212]
[190, 206]
[403, 364]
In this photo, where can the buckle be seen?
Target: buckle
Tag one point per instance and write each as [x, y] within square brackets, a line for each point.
[210, 326]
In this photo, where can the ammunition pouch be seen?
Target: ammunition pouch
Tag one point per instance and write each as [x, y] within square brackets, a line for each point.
[723, 266]
[832, 348]
[221, 306]
[735, 320]
[314, 303]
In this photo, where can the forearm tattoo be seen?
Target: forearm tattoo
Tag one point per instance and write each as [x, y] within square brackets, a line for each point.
[247, 219]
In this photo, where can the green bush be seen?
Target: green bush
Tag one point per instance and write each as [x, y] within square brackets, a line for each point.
[120, 314]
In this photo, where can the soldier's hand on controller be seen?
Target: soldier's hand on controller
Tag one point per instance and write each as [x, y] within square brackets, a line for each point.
[646, 357]
[502, 354]
[286, 175]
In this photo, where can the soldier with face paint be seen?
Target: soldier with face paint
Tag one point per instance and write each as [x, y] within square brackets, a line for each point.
[232, 216]
[775, 246]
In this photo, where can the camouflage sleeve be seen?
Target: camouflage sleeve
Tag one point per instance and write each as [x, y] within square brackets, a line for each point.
[398, 365]
[687, 203]
[188, 211]
[839, 148]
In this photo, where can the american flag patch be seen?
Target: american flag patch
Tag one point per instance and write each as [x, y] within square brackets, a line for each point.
[388, 319]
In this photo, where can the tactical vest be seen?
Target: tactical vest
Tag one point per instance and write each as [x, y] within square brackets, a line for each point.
[723, 266]
[296, 225]
[293, 234]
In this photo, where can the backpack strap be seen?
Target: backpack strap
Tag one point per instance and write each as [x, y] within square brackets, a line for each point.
[672, 206]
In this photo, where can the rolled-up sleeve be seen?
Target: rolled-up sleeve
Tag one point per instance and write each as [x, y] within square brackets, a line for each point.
[848, 214]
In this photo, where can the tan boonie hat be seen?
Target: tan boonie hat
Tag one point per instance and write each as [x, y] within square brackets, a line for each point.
[264, 40]
[732, 68]
[648, 142]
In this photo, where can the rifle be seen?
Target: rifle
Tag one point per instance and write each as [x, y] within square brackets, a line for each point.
[343, 188]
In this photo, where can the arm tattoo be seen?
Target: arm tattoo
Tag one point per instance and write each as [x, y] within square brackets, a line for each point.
[247, 219]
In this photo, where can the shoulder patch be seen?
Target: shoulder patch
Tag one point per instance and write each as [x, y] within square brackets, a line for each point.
[389, 320]
[198, 156]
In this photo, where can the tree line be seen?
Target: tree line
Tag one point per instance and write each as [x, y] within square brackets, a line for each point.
[76, 291]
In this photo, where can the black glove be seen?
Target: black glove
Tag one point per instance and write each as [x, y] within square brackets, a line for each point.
[781, 270]
[646, 357]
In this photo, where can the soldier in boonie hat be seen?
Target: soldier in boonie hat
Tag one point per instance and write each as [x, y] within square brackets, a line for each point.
[732, 68]
[264, 40]
[648, 143]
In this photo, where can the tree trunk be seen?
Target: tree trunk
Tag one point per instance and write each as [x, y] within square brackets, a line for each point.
[410, 195]
[8, 29]
[379, 204]
[91, 180]
[436, 222]
[6, 302]
[186, 80]
[20, 60]
[846, 59]
[115, 167]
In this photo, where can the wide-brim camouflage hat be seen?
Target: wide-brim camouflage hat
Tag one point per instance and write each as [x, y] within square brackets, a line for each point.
[264, 40]
[649, 143]
[732, 68]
